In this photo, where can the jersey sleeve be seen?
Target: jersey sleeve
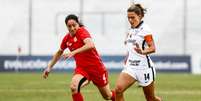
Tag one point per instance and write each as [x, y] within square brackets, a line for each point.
[83, 34]
[63, 45]
[148, 38]
[146, 31]
[147, 34]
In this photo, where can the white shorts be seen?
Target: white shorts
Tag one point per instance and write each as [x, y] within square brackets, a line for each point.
[143, 76]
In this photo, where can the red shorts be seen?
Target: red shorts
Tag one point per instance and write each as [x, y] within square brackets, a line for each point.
[98, 77]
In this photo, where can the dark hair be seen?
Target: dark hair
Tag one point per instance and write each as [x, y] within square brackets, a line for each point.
[138, 9]
[73, 17]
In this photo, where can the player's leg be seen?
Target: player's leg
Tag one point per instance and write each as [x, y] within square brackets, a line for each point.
[146, 79]
[100, 79]
[77, 82]
[107, 93]
[123, 82]
[149, 93]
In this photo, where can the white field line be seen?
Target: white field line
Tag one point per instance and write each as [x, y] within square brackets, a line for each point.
[172, 92]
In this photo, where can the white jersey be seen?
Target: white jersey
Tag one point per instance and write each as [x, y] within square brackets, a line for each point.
[136, 35]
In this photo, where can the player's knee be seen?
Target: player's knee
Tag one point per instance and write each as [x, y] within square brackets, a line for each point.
[73, 88]
[106, 97]
[119, 89]
[157, 98]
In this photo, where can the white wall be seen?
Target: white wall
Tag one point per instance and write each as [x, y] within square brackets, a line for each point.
[14, 26]
[163, 16]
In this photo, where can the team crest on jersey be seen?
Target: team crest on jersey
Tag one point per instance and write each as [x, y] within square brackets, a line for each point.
[75, 39]
[68, 43]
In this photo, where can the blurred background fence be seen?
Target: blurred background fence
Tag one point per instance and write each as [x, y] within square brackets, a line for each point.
[36, 27]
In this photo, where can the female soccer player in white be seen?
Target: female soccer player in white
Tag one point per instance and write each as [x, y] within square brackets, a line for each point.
[138, 65]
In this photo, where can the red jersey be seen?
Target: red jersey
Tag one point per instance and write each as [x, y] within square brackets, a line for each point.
[87, 59]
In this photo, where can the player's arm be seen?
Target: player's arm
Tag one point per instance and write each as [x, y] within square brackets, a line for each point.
[88, 44]
[55, 58]
[151, 46]
[126, 58]
[52, 62]
[125, 41]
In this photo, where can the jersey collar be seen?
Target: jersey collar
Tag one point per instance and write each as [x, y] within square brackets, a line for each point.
[139, 24]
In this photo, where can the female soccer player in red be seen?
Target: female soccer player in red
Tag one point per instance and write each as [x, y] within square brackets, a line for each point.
[138, 65]
[89, 66]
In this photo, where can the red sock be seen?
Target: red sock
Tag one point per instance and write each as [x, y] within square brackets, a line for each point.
[113, 96]
[77, 97]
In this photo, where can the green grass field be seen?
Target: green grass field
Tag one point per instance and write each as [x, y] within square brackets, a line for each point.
[31, 87]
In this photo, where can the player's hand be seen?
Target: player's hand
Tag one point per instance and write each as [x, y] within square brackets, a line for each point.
[138, 49]
[68, 55]
[46, 73]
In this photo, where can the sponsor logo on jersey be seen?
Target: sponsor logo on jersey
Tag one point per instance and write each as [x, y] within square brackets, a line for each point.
[134, 62]
[131, 41]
